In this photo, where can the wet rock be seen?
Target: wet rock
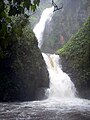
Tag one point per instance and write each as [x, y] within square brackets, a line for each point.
[75, 56]
[22, 71]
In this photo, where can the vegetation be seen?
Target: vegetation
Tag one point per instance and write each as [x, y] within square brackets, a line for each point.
[65, 23]
[22, 68]
[8, 25]
[75, 56]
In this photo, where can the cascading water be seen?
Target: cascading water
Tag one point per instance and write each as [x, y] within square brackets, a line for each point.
[60, 84]
[60, 87]
[39, 28]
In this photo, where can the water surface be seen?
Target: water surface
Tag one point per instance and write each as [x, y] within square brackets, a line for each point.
[51, 109]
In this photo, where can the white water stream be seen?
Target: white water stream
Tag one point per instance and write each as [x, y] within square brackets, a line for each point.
[60, 84]
[40, 26]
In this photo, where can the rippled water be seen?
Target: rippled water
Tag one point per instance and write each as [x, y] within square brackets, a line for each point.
[51, 109]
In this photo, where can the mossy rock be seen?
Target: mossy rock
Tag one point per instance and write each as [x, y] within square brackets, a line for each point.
[23, 70]
[75, 55]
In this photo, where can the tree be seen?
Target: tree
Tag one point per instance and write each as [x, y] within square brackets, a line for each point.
[8, 9]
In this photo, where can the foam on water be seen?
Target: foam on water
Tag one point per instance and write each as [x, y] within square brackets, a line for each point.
[60, 84]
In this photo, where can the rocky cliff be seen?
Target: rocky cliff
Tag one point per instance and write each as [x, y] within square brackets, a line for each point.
[65, 23]
[75, 55]
[23, 71]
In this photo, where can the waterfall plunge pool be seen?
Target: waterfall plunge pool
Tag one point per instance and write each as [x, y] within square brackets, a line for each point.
[50, 109]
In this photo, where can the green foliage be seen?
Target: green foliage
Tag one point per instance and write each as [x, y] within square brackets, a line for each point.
[65, 22]
[18, 6]
[76, 54]
[13, 20]
[22, 67]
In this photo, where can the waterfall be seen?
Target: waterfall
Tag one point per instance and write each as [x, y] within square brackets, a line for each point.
[60, 84]
[40, 26]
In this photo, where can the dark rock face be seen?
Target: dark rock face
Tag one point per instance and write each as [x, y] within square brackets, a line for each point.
[75, 56]
[23, 71]
[65, 23]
